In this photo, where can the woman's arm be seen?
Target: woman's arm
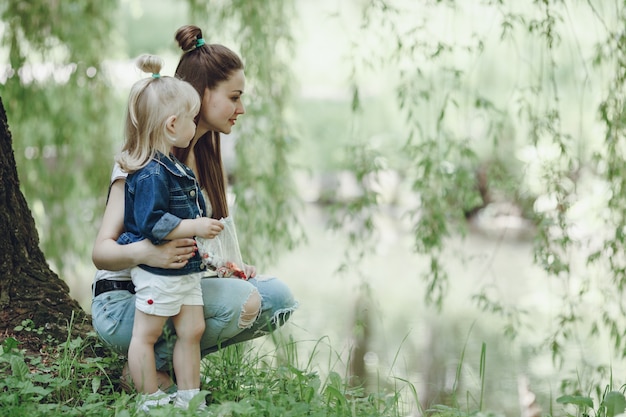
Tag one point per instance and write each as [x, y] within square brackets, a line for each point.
[108, 254]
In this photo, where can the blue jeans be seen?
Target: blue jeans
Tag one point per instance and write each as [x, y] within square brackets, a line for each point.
[113, 314]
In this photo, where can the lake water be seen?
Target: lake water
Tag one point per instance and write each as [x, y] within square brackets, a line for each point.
[418, 342]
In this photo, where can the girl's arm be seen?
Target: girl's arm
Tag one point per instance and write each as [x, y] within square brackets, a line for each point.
[108, 254]
[202, 226]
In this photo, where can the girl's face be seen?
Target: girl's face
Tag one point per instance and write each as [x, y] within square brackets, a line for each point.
[184, 130]
[222, 105]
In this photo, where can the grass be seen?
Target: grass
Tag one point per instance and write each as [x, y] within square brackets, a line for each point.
[80, 377]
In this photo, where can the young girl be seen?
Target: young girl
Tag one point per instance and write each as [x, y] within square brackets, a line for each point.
[163, 202]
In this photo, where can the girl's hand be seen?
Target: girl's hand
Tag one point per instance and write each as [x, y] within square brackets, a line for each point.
[171, 255]
[207, 227]
[250, 270]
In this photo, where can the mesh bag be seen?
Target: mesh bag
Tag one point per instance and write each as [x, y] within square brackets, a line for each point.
[222, 254]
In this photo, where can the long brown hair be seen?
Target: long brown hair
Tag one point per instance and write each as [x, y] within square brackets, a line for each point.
[204, 66]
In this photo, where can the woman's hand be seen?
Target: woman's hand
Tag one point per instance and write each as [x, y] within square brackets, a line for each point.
[249, 270]
[171, 255]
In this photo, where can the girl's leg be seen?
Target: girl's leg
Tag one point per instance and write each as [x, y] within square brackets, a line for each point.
[146, 330]
[113, 316]
[189, 324]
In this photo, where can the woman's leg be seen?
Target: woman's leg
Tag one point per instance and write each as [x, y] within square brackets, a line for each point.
[277, 305]
[189, 324]
[230, 306]
[146, 331]
[231, 313]
[113, 316]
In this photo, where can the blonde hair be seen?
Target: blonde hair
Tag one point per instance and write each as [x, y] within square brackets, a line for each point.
[152, 101]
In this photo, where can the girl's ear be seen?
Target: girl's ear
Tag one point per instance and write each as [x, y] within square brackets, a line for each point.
[170, 125]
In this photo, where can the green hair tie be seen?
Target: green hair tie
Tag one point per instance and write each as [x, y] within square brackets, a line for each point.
[199, 42]
[156, 75]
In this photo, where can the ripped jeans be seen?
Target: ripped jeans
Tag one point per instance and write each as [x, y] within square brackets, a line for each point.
[230, 310]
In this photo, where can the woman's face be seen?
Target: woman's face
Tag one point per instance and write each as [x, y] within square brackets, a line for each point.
[222, 105]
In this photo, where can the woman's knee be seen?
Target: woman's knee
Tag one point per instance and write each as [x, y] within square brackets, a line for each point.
[250, 310]
[278, 302]
[276, 294]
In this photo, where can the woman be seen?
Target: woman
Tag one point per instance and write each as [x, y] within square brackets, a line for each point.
[234, 310]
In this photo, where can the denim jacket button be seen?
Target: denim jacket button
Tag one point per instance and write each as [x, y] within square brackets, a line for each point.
[192, 193]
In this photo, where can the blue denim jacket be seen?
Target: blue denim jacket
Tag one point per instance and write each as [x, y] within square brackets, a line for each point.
[158, 197]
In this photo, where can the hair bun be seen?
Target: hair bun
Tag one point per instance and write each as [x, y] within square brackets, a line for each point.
[149, 63]
[187, 36]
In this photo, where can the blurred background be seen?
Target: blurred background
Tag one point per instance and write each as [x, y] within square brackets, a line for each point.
[440, 183]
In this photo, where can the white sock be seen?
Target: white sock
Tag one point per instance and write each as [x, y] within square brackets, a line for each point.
[187, 394]
[184, 396]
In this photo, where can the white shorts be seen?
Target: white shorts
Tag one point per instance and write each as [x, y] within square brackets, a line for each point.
[163, 295]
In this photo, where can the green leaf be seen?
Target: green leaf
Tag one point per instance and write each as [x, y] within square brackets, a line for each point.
[9, 344]
[615, 403]
[95, 384]
[334, 393]
[19, 368]
[576, 400]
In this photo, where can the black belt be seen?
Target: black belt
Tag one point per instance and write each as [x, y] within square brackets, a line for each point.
[106, 285]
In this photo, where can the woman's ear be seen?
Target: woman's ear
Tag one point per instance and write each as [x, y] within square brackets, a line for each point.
[170, 125]
[206, 95]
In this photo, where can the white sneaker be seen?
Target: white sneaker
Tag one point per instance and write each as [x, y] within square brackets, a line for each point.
[183, 398]
[145, 402]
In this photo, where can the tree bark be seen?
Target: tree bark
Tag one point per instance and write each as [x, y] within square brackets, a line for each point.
[29, 289]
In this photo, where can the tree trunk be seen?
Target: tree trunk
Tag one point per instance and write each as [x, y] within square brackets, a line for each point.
[29, 289]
